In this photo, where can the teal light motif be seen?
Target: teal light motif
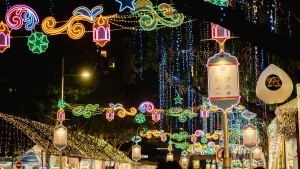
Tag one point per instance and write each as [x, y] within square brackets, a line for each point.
[140, 118]
[38, 42]
[182, 114]
[61, 104]
[219, 2]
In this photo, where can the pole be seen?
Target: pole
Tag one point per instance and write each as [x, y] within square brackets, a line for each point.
[62, 77]
[226, 159]
[60, 160]
[250, 151]
[42, 159]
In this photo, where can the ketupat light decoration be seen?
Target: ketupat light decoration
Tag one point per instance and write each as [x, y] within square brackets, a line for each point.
[140, 118]
[17, 15]
[101, 31]
[126, 4]
[110, 114]
[4, 37]
[37, 42]
[60, 115]
[156, 115]
[149, 23]
[87, 111]
[74, 30]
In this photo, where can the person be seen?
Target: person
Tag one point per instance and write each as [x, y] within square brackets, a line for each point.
[168, 165]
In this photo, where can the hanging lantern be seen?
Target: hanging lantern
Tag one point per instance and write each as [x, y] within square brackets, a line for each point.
[163, 137]
[249, 136]
[219, 33]
[101, 31]
[4, 37]
[257, 153]
[136, 152]
[60, 137]
[204, 114]
[61, 115]
[110, 115]
[170, 157]
[196, 164]
[184, 162]
[155, 115]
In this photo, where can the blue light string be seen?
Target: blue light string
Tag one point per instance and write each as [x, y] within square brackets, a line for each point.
[205, 125]
[162, 86]
[272, 19]
[141, 54]
[51, 7]
[7, 5]
[211, 117]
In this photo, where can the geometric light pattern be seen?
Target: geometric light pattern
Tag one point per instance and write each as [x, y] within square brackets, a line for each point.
[38, 42]
[4, 37]
[126, 4]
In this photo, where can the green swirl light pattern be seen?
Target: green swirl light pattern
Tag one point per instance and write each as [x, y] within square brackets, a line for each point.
[87, 111]
[180, 136]
[170, 18]
[182, 114]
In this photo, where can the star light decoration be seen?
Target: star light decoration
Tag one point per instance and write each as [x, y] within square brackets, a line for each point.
[178, 99]
[126, 4]
[38, 42]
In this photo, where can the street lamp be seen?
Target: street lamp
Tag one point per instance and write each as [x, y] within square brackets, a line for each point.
[60, 132]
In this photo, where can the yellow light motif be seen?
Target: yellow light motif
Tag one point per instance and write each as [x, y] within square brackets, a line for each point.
[74, 30]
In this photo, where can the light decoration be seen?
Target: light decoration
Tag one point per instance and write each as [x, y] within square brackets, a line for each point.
[163, 137]
[249, 136]
[61, 104]
[87, 111]
[149, 133]
[146, 107]
[101, 31]
[257, 153]
[140, 118]
[247, 115]
[37, 42]
[196, 164]
[193, 138]
[60, 137]
[219, 33]
[204, 114]
[182, 114]
[136, 149]
[60, 115]
[184, 159]
[121, 111]
[73, 28]
[20, 14]
[4, 37]
[170, 156]
[178, 100]
[126, 4]
[156, 115]
[149, 23]
[180, 136]
[110, 114]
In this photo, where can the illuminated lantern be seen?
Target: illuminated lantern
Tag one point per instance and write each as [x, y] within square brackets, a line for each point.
[61, 115]
[193, 138]
[136, 152]
[170, 157]
[204, 114]
[249, 136]
[60, 137]
[4, 37]
[164, 138]
[184, 162]
[155, 115]
[274, 85]
[110, 114]
[257, 153]
[196, 164]
[219, 33]
[101, 31]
